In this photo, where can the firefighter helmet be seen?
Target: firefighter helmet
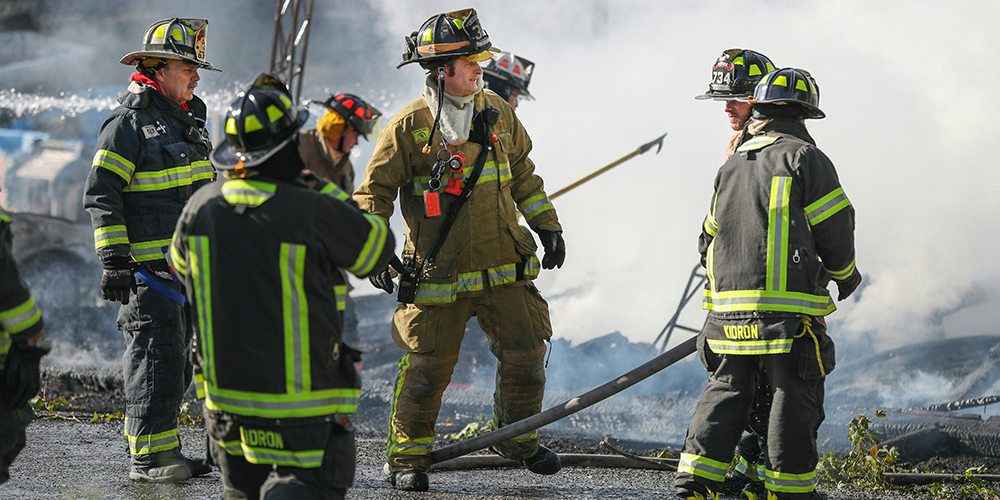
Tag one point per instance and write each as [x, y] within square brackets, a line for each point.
[446, 36]
[177, 39]
[735, 74]
[789, 86]
[506, 72]
[259, 122]
[355, 111]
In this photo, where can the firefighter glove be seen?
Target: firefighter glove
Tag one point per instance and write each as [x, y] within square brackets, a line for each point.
[382, 280]
[21, 375]
[555, 248]
[118, 280]
[848, 286]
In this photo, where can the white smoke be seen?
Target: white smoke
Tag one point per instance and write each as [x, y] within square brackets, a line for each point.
[904, 86]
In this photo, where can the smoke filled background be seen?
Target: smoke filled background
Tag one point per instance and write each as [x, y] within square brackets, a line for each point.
[905, 87]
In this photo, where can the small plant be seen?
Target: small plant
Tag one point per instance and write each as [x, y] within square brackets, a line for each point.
[867, 462]
[186, 417]
[473, 429]
[107, 417]
[47, 408]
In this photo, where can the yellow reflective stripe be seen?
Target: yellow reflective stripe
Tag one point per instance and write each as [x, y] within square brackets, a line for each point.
[201, 281]
[202, 170]
[777, 346]
[110, 235]
[710, 225]
[756, 143]
[249, 193]
[534, 206]
[231, 447]
[115, 163]
[763, 300]
[778, 221]
[177, 260]
[251, 124]
[372, 250]
[333, 189]
[18, 319]
[780, 80]
[160, 179]
[421, 183]
[341, 292]
[199, 385]
[751, 470]
[433, 293]
[500, 275]
[271, 405]
[146, 251]
[827, 206]
[152, 443]
[532, 267]
[491, 172]
[274, 114]
[295, 315]
[308, 459]
[470, 282]
[844, 273]
[702, 467]
[790, 483]
[396, 444]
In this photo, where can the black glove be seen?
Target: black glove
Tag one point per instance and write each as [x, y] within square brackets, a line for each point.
[382, 280]
[118, 280]
[21, 375]
[847, 287]
[555, 248]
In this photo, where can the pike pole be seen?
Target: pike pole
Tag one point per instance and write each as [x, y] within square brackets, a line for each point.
[569, 407]
[658, 142]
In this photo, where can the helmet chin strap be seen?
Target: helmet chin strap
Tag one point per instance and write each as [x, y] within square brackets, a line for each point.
[437, 117]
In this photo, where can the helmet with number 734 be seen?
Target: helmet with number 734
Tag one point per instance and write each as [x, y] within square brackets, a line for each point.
[735, 74]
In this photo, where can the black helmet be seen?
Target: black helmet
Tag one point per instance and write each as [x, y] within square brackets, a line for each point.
[789, 86]
[446, 36]
[259, 123]
[356, 112]
[506, 72]
[735, 74]
[174, 39]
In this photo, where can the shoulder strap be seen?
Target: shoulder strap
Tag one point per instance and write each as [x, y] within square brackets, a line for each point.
[488, 117]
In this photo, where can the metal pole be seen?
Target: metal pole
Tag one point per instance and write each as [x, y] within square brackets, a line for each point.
[570, 407]
[658, 142]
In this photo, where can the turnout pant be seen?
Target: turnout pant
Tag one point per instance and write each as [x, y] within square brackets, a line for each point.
[12, 435]
[157, 372]
[516, 322]
[796, 379]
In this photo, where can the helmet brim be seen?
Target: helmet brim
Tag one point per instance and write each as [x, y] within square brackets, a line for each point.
[133, 58]
[722, 97]
[224, 158]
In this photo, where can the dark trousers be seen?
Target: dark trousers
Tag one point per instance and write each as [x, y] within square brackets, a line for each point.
[12, 436]
[796, 411]
[157, 372]
[243, 480]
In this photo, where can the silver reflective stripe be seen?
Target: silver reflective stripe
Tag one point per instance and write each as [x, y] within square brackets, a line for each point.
[373, 247]
[534, 206]
[280, 405]
[292, 254]
[469, 282]
[697, 465]
[779, 249]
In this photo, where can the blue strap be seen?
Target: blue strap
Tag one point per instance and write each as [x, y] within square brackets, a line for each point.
[158, 286]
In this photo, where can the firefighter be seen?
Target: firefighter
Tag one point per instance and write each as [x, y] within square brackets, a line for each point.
[778, 229]
[258, 254]
[465, 253]
[22, 345]
[509, 76]
[326, 150]
[152, 154]
[734, 76]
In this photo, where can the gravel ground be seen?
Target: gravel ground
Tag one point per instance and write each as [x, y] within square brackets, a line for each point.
[75, 460]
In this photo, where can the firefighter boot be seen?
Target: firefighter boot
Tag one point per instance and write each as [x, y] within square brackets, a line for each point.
[410, 480]
[174, 473]
[544, 461]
